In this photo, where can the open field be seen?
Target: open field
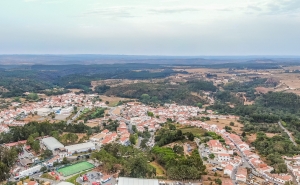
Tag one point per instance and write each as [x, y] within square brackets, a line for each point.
[226, 122]
[117, 111]
[79, 167]
[193, 130]
[113, 101]
[94, 124]
[252, 137]
[160, 171]
[30, 118]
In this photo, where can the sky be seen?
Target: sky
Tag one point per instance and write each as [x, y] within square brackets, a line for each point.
[150, 27]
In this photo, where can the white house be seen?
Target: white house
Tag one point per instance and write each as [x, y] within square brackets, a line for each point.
[223, 157]
[228, 170]
[241, 174]
[82, 147]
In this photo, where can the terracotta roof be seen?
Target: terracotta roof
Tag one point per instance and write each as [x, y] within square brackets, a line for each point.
[241, 171]
[229, 167]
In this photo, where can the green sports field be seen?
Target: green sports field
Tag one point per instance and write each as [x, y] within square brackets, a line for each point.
[76, 168]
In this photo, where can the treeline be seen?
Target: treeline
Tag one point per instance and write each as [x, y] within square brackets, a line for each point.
[129, 161]
[288, 102]
[165, 136]
[38, 78]
[274, 148]
[8, 157]
[243, 65]
[179, 167]
[246, 86]
[160, 93]
[42, 129]
[92, 114]
[227, 96]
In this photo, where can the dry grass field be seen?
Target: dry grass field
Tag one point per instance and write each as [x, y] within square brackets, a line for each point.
[113, 101]
[160, 171]
[92, 124]
[251, 138]
[226, 122]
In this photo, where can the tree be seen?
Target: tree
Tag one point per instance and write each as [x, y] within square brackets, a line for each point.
[43, 169]
[218, 181]
[65, 161]
[132, 139]
[30, 140]
[150, 114]
[106, 102]
[199, 105]
[178, 149]
[32, 96]
[228, 128]
[172, 127]
[47, 154]
[190, 136]
[36, 146]
[243, 134]
[211, 156]
[134, 128]
[231, 123]
[145, 98]
[8, 157]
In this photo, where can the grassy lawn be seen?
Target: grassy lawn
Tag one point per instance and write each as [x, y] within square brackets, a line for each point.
[73, 178]
[47, 176]
[85, 110]
[159, 169]
[193, 130]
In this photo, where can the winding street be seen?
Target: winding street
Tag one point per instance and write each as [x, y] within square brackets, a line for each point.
[288, 133]
[246, 162]
[75, 116]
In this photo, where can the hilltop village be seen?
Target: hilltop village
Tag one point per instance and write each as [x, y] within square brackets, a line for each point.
[227, 154]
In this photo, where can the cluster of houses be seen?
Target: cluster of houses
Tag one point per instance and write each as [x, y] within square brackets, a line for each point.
[4, 128]
[60, 105]
[234, 144]
[150, 119]
[105, 137]
[293, 165]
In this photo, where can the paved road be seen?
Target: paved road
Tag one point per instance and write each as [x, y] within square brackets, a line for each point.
[139, 142]
[36, 176]
[246, 162]
[288, 133]
[75, 116]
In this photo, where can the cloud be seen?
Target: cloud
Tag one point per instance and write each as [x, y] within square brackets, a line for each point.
[111, 12]
[283, 7]
[170, 10]
[255, 8]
